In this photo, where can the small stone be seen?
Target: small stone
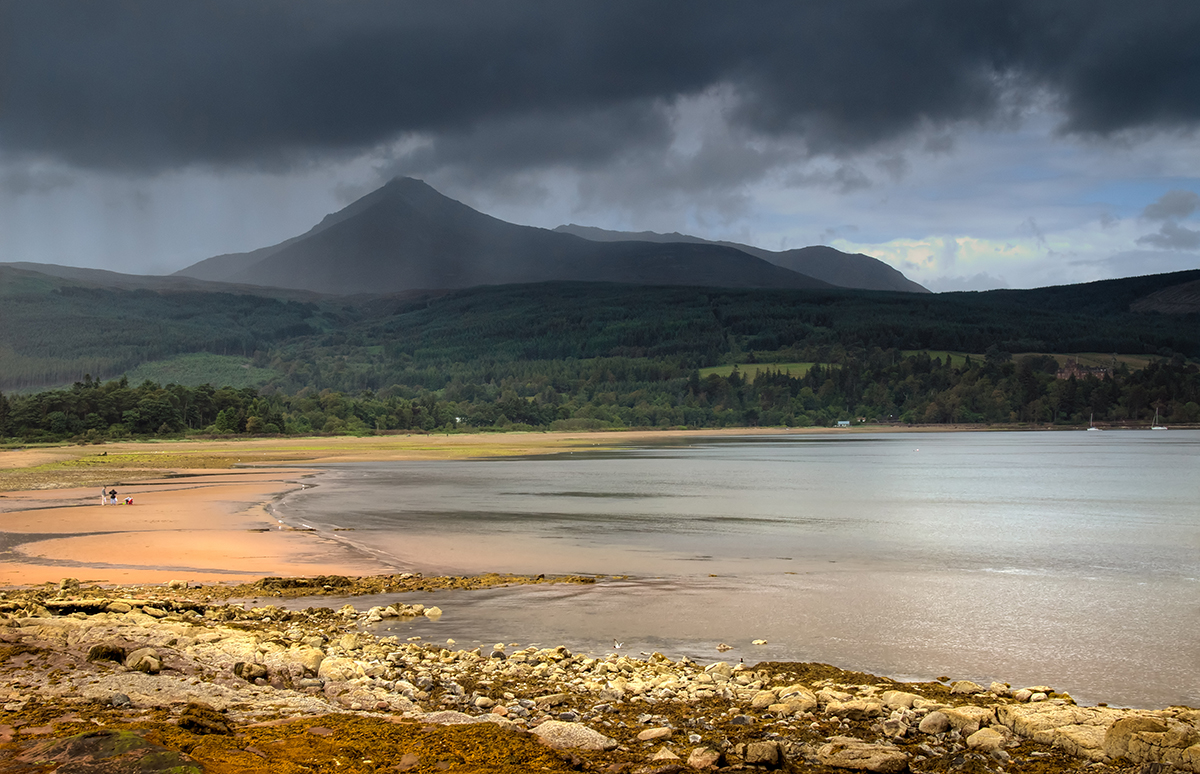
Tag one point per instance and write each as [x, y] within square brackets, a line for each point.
[722, 647]
[483, 702]
[664, 755]
[758, 642]
[433, 613]
[118, 607]
[119, 700]
[1023, 695]
[177, 584]
[1000, 689]
[1039, 696]
[965, 686]
[704, 758]
[650, 734]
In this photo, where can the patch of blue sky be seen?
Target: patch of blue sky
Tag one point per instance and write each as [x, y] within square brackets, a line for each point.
[1127, 198]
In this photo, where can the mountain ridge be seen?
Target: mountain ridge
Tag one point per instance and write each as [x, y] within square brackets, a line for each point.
[407, 236]
[848, 270]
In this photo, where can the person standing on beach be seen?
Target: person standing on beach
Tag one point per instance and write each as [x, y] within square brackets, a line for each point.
[112, 495]
[103, 496]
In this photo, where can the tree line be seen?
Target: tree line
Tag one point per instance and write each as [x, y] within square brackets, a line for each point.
[878, 385]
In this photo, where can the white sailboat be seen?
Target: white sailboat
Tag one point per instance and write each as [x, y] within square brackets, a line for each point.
[1156, 425]
[1092, 423]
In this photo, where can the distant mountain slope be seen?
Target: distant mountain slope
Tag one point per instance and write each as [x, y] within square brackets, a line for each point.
[847, 270]
[1177, 299]
[407, 236]
[74, 276]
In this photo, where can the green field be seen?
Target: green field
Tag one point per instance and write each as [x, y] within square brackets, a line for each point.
[202, 368]
[750, 370]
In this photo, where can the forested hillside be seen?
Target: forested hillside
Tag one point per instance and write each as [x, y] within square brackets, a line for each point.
[879, 386]
[580, 355]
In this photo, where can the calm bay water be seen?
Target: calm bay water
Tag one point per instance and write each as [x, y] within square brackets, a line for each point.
[1070, 559]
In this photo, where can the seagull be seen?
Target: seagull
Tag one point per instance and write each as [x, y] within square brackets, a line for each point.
[617, 645]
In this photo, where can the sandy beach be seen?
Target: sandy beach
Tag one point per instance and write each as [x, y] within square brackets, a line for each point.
[198, 506]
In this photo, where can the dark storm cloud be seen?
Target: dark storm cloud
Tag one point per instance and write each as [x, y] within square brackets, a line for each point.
[146, 85]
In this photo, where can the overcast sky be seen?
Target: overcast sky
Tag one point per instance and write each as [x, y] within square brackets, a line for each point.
[1001, 143]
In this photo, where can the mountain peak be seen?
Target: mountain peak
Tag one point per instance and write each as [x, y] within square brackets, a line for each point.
[408, 236]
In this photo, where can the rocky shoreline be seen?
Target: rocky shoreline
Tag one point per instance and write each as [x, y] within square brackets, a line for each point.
[182, 679]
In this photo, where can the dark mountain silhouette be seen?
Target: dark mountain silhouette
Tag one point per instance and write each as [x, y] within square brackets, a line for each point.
[406, 235]
[847, 270]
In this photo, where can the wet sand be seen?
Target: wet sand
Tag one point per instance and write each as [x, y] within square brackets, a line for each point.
[197, 517]
[206, 527]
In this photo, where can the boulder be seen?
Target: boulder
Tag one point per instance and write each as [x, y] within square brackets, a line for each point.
[762, 700]
[339, 669]
[855, 709]
[763, 754]
[968, 719]
[1042, 722]
[309, 660]
[934, 723]
[1120, 734]
[1085, 742]
[798, 698]
[1177, 744]
[844, 752]
[898, 699]
[986, 740]
[572, 736]
[68, 586]
[106, 651]
[144, 660]
[965, 686]
[249, 671]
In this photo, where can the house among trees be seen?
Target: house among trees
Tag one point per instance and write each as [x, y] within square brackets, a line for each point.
[1072, 368]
